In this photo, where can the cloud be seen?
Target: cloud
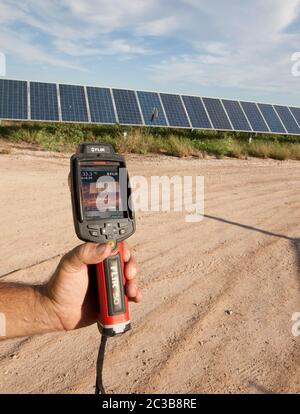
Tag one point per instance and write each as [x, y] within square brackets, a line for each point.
[231, 44]
[12, 43]
[159, 27]
[252, 51]
[105, 47]
[72, 29]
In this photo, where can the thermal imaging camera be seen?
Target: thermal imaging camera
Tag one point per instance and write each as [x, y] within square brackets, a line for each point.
[102, 212]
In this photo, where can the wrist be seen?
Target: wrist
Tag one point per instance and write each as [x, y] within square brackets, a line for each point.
[49, 316]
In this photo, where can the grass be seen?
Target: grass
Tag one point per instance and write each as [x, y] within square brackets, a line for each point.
[178, 143]
[275, 150]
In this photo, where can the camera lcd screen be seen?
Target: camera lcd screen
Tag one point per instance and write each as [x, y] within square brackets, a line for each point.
[100, 193]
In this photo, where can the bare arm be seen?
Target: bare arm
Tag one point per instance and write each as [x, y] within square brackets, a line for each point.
[66, 302]
[25, 311]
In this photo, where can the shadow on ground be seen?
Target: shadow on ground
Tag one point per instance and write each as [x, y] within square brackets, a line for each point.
[295, 242]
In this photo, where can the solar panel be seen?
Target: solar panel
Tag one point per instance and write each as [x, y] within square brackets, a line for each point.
[296, 113]
[174, 110]
[101, 105]
[254, 116]
[271, 118]
[236, 115]
[151, 107]
[73, 104]
[13, 99]
[287, 118]
[217, 113]
[196, 112]
[43, 101]
[127, 107]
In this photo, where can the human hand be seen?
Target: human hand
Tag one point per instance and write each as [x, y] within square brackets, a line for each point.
[72, 295]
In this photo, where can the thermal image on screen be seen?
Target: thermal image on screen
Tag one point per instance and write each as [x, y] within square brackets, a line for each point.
[100, 192]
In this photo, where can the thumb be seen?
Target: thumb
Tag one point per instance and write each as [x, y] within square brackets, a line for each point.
[85, 254]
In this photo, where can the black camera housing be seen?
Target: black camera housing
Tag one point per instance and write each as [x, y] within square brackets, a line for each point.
[91, 160]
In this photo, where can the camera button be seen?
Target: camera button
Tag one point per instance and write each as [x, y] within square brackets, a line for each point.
[93, 227]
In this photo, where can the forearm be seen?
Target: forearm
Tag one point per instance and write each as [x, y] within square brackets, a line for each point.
[25, 310]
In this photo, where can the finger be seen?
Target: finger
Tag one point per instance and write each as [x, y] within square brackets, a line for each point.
[85, 254]
[139, 296]
[126, 251]
[131, 269]
[131, 289]
[133, 292]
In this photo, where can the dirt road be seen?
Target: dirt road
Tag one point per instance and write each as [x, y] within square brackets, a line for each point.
[218, 295]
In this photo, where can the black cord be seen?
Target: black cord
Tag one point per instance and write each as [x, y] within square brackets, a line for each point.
[99, 388]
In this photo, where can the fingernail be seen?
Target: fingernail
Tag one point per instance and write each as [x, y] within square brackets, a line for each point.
[100, 249]
[112, 244]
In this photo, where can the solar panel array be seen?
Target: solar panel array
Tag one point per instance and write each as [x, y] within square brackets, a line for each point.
[38, 101]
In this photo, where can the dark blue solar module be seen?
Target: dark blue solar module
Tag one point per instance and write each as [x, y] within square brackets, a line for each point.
[73, 104]
[236, 115]
[271, 118]
[254, 116]
[127, 107]
[151, 108]
[217, 113]
[101, 105]
[296, 113]
[43, 101]
[287, 118]
[174, 110]
[13, 99]
[196, 112]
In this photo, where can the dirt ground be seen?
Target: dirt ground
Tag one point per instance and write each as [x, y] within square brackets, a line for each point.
[218, 295]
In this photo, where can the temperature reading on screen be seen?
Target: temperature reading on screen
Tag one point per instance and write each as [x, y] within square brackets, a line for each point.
[87, 174]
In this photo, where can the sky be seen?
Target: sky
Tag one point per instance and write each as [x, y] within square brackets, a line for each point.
[234, 49]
